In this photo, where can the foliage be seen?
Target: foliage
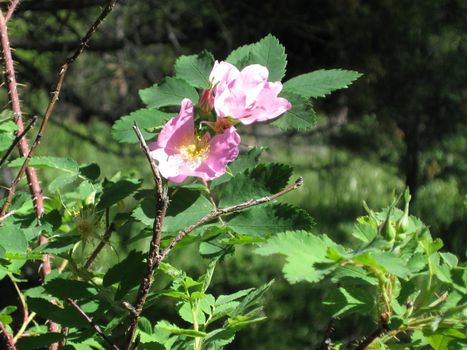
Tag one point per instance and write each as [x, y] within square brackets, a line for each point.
[395, 274]
[83, 203]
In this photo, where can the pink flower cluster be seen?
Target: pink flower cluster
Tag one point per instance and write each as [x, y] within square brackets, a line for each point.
[236, 96]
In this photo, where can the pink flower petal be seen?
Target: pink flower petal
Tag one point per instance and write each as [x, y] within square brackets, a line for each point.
[180, 154]
[247, 96]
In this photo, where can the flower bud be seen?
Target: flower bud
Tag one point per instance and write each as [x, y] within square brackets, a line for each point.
[388, 231]
[403, 223]
[206, 102]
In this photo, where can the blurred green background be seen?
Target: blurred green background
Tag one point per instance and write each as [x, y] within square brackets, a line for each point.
[404, 123]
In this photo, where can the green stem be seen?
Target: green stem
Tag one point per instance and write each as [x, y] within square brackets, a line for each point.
[194, 313]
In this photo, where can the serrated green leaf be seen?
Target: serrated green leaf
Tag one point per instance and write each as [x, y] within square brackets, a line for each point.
[146, 118]
[64, 164]
[186, 208]
[170, 92]
[185, 311]
[273, 176]
[349, 300]
[300, 117]
[224, 299]
[364, 231]
[446, 339]
[392, 264]
[12, 239]
[262, 181]
[217, 339]
[450, 259]
[62, 180]
[246, 161]
[267, 52]
[356, 273]
[195, 69]
[114, 192]
[5, 115]
[118, 273]
[5, 141]
[321, 82]
[241, 56]
[303, 251]
[251, 300]
[270, 53]
[5, 314]
[270, 219]
[8, 126]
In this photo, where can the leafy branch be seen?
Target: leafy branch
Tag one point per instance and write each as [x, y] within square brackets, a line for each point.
[155, 255]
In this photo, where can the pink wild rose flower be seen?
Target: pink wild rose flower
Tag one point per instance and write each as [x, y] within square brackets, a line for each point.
[246, 95]
[181, 152]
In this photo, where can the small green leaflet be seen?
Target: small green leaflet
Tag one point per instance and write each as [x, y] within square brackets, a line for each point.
[267, 52]
[266, 220]
[302, 251]
[348, 300]
[320, 82]
[195, 69]
[270, 53]
[65, 164]
[145, 118]
[300, 117]
[170, 92]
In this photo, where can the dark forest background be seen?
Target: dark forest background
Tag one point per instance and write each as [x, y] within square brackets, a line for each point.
[404, 123]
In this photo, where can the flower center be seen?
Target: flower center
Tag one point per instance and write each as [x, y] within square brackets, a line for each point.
[197, 151]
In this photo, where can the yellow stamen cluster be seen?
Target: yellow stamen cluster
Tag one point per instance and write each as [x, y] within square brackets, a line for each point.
[196, 151]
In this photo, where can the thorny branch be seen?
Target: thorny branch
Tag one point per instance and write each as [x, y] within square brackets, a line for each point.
[155, 256]
[11, 9]
[25, 151]
[153, 259]
[55, 94]
[23, 146]
[93, 324]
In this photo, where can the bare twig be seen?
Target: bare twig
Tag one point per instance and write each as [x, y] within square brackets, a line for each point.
[23, 146]
[55, 94]
[11, 9]
[93, 324]
[17, 139]
[153, 259]
[9, 339]
[100, 246]
[216, 213]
